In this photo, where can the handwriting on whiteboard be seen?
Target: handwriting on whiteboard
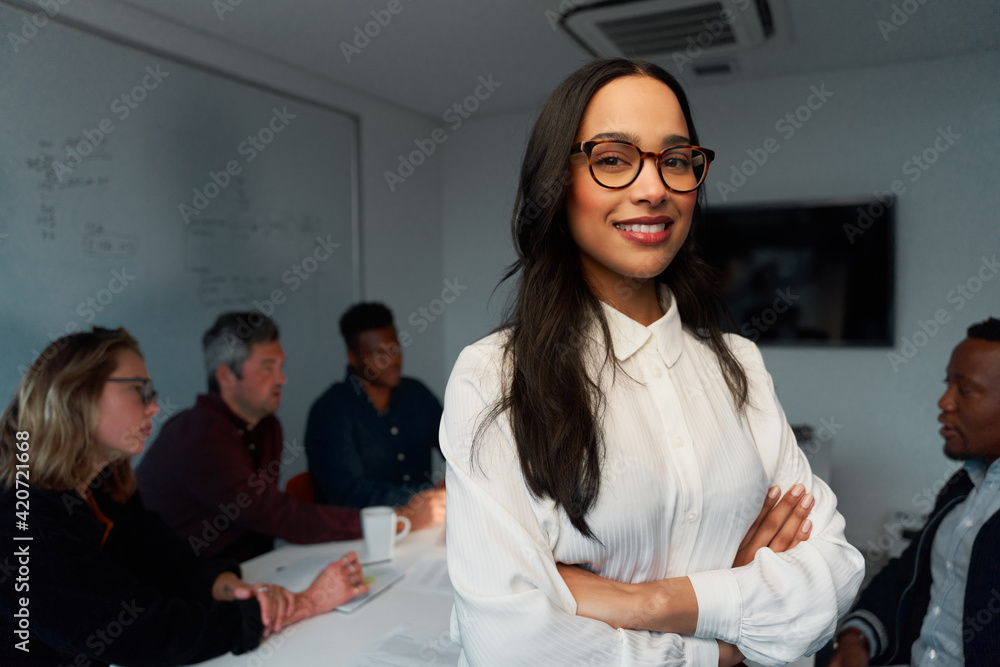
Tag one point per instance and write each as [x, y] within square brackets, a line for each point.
[110, 244]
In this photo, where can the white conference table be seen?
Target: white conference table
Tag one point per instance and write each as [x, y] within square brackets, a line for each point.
[337, 638]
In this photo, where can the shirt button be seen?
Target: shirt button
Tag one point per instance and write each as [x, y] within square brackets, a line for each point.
[937, 611]
[949, 565]
[252, 446]
[406, 478]
[657, 372]
[394, 430]
[400, 456]
[691, 517]
[967, 523]
[677, 441]
[932, 654]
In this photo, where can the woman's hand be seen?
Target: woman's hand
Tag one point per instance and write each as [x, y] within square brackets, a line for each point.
[780, 525]
[277, 607]
[277, 604]
[225, 586]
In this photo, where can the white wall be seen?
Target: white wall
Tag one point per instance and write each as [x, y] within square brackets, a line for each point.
[401, 231]
[480, 176]
[886, 447]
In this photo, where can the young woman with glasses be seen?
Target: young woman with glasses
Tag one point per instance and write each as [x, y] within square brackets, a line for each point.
[609, 448]
[101, 579]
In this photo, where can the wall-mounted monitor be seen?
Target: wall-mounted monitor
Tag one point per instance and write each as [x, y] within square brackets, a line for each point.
[812, 273]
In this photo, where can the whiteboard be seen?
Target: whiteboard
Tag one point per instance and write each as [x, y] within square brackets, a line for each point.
[139, 191]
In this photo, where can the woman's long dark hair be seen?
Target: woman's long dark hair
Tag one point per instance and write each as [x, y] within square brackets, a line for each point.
[554, 405]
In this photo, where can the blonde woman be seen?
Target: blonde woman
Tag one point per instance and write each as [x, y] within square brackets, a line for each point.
[104, 580]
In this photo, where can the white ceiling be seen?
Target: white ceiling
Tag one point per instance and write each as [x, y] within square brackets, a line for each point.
[430, 54]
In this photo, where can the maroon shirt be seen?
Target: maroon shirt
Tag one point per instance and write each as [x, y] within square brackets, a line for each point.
[215, 481]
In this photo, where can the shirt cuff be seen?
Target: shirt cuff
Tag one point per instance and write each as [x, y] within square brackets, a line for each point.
[251, 628]
[701, 652]
[720, 605]
[866, 630]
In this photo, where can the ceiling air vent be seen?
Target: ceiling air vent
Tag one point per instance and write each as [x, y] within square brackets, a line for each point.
[715, 68]
[657, 29]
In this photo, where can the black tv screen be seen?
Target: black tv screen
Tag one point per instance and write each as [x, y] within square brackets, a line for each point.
[818, 273]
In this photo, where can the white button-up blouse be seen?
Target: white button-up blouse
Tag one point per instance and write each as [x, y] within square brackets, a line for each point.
[684, 476]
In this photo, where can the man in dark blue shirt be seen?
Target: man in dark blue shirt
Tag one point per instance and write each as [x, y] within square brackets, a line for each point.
[369, 438]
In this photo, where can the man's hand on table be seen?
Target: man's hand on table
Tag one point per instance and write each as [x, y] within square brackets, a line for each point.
[425, 509]
[337, 583]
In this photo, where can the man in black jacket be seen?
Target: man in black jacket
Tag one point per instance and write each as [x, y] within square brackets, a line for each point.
[939, 603]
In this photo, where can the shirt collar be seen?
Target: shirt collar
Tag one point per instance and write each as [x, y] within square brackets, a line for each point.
[361, 395]
[628, 336]
[215, 402]
[978, 471]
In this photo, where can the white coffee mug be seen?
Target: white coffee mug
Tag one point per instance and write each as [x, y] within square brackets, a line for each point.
[379, 527]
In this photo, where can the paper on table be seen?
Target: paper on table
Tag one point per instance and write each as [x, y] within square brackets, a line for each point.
[404, 646]
[429, 574]
[379, 577]
[297, 575]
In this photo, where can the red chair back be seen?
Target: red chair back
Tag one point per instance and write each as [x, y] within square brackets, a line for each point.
[300, 487]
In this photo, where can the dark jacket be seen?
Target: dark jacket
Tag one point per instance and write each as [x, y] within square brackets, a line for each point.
[141, 598]
[898, 598]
